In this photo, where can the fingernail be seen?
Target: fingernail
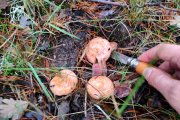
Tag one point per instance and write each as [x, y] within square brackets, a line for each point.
[147, 72]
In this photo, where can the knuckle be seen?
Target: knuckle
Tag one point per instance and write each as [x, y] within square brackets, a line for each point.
[160, 47]
[155, 77]
[159, 78]
[174, 62]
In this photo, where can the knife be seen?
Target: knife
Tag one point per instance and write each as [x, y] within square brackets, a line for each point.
[139, 66]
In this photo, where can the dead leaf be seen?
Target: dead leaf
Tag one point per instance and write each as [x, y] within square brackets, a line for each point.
[33, 114]
[106, 13]
[116, 77]
[10, 108]
[3, 4]
[122, 91]
[25, 22]
[176, 21]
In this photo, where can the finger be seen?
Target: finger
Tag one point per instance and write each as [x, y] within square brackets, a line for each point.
[158, 79]
[165, 52]
[164, 83]
[175, 63]
[165, 66]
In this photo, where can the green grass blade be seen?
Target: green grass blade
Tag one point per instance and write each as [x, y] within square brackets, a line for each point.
[57, 9]
[51, 3]
[46, 92]
[138, 84]
[63, 31]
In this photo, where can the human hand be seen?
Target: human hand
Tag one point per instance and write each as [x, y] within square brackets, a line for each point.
[166, 79]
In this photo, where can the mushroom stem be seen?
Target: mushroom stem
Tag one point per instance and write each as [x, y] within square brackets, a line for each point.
[99, 68]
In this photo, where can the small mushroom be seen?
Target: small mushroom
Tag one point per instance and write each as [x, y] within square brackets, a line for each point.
[99, 87]
[64, 83]
[98, 52]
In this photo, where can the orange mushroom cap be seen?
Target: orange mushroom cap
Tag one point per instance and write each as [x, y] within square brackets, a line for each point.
[99, 49]
[100, 87]
[64, 83]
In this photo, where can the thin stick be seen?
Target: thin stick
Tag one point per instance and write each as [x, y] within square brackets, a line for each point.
[110, 3]
[125, 5]
[171, 9]
[85, 105]
[9, 38]
[98, 107]
[37, 109]
[116, 106]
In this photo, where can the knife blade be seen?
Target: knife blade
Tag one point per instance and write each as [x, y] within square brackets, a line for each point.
[121, 57]
[133, 62]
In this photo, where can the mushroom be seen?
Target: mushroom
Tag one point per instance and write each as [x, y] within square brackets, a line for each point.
[64, 83]
[98, 52]
[99, 87]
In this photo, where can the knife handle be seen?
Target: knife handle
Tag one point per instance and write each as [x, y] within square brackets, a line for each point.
[141, 66]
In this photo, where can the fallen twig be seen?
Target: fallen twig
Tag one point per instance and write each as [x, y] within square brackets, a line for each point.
[7, 40]
[125, 5]
[110, 3]
[171, 9]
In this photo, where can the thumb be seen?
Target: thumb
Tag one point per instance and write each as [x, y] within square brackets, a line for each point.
[165, 84]
[158, 79]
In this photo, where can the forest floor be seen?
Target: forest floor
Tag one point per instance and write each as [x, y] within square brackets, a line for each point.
[38, 38]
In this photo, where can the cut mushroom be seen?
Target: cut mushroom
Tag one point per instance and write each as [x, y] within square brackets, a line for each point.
[99, 87]
[64, 83]
[98, 51]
